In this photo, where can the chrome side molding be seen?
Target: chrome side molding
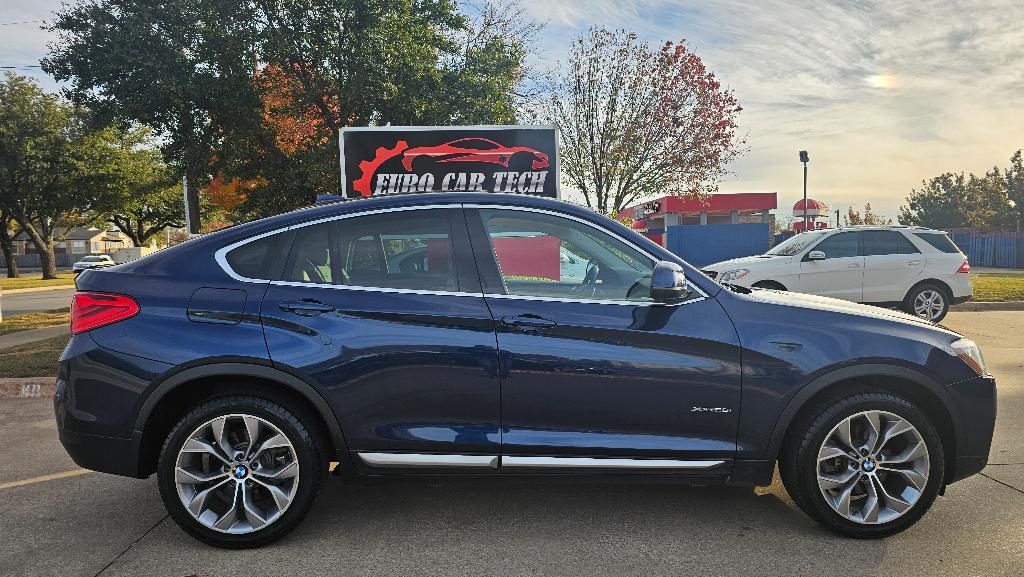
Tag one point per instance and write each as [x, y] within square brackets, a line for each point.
[531, 462]
[427, 460]
[604, 463]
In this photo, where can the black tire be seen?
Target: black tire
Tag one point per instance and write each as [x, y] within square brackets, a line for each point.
[769, 284]
[798, 463]
[924, 287]
[307, 453]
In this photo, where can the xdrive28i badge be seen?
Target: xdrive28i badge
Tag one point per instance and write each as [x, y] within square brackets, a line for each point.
[710, 410]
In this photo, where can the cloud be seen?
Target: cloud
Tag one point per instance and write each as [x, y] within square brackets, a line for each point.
[883, 94]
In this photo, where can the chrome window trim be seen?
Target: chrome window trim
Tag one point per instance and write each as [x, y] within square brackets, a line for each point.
[221, 258]
[428, 460]
[605, 463]
[373, 289]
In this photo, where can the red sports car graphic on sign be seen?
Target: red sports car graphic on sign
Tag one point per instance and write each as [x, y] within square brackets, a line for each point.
[473, 150]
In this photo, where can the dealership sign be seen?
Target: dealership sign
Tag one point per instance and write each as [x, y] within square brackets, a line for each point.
[399, 159]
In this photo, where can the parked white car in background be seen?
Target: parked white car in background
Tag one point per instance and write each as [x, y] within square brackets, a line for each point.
[917, 269]
[92, 261]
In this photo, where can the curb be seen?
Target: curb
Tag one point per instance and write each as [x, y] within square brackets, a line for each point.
[28, 388]
[988, 306]
[36, 289]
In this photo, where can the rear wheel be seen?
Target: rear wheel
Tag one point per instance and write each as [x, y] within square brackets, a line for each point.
[865, 465]
[239, 472]
[928, 301]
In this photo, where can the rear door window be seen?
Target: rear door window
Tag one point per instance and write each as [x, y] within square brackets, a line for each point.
[939, 241]
[882, 242]
[409, 250]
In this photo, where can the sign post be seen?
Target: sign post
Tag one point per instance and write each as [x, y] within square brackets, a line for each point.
[401, 159]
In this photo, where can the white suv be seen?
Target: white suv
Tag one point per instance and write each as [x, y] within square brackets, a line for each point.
[915, 268]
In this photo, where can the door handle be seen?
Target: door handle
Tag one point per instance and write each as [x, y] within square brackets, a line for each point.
[527, 322]
[306, 307]
[913, 262]
[855, 265]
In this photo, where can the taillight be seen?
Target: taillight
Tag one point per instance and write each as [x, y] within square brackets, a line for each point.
[964, 268]
[94, 310]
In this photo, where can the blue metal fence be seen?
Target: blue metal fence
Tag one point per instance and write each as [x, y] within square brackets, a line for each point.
[990, 248]
[705, 244]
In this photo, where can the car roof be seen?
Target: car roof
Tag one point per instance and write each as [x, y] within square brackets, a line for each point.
[888, 227]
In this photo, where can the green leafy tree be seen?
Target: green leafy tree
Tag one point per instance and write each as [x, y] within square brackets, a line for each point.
[49, 165]
[140, 194]
[190, 69]
[953, 200]
[1013, 178]
[7, 233]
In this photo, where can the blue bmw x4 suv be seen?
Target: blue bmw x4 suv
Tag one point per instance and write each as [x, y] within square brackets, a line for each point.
[483, 334]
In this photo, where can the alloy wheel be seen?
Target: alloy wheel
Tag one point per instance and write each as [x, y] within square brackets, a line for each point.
[873, 467]
[236, 473]
[929, 304]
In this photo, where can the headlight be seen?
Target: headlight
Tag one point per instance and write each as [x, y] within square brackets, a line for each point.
[968, 350]
[733, 275]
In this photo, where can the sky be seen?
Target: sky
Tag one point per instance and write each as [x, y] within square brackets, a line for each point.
[882, 94]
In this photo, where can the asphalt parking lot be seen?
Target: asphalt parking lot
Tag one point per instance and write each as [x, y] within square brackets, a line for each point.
[58, 520]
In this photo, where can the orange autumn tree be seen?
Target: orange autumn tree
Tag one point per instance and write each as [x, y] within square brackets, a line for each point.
[293, 130]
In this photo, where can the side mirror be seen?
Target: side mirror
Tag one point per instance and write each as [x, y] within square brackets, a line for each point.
[668, 282]
[815, 255]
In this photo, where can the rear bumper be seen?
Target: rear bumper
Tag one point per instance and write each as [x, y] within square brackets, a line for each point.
[104, 454]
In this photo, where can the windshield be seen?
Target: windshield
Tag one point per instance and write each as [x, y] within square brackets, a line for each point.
[795, 244]
[92, 259]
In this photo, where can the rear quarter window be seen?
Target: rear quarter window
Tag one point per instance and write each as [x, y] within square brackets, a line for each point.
[260, 259]
[939, 241]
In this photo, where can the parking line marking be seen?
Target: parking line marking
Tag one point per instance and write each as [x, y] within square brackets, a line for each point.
[43, 478]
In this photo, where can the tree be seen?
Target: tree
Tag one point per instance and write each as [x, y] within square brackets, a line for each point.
[854, 218]
[191, 70]
[1013, 178]
[636, 122]
[953, 200]
[7, 243]
[140, 194]
[49, 165]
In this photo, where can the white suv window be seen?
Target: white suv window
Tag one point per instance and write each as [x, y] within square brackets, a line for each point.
[840, 245]
[881, 242]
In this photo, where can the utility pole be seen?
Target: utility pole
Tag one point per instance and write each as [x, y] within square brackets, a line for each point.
[805, 159]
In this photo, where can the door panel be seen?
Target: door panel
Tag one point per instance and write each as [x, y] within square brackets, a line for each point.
[590, 365]
[408, 365]
[618, 380]
[891, 263]
[840, 274]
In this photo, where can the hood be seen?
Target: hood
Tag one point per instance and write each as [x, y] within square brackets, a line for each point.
[807, 301]
[747, 262]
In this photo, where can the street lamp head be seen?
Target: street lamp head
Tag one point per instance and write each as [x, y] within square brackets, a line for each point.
[804, 157]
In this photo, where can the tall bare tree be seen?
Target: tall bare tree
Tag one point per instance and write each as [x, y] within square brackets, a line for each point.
[636, 122]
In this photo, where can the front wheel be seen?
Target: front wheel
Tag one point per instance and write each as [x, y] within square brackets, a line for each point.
[239, 472]
[865, 465]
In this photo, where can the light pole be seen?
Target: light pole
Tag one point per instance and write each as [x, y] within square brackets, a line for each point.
[805, 159]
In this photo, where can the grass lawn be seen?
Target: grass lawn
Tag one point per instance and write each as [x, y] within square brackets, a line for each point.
[35, 280]
[35, 320]
[38, 359]
[996, 287]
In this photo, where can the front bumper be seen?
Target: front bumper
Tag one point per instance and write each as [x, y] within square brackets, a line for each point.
[976, 399]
